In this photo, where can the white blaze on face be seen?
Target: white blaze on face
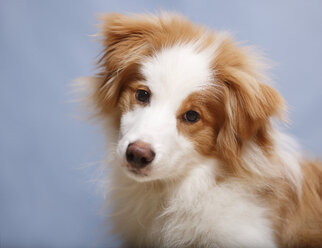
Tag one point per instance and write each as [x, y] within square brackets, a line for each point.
[171, 75]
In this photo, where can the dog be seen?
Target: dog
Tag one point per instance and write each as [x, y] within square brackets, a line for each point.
[196, 156]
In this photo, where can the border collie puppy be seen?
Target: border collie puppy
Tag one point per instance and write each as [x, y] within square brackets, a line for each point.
[194, 158]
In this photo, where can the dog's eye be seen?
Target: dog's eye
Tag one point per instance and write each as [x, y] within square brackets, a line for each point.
[142, 96]
[191, 116]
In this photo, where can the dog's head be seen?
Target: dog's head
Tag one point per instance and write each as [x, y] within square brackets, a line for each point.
[183, 94]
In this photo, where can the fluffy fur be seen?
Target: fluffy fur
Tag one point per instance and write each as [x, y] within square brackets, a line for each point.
[228, 180]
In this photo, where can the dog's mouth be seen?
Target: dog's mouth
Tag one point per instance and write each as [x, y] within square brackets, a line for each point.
[138, 172]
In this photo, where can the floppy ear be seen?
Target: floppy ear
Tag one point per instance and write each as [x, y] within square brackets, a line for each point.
[125, 43]
[249, 105]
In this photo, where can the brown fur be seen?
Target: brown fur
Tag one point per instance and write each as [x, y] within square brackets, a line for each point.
[297, 215]
[303, 227]
[236, 110]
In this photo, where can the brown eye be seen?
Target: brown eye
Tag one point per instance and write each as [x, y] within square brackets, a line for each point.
[191, 116]
[142, 96]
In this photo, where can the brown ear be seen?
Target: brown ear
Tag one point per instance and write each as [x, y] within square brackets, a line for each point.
[249, 105]
[125, 43]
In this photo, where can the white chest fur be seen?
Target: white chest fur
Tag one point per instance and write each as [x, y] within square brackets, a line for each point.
[194, 212]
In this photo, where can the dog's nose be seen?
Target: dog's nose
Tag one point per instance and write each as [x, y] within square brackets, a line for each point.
[139, 154]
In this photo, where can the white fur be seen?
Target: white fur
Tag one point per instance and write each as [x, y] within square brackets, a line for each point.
[190, 212]
[179, 203]
[285, 165]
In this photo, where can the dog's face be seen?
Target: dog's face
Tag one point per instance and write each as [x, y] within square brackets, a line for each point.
[182, 94]
[162, 113]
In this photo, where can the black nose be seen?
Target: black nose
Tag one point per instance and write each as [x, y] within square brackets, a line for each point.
[139, 154]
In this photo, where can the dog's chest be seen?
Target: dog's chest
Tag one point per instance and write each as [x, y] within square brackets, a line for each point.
[196, 213]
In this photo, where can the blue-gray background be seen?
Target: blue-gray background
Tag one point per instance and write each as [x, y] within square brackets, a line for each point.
[48, 196]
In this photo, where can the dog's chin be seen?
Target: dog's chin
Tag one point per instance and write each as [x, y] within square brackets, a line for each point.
[138, 175]
[148, 174]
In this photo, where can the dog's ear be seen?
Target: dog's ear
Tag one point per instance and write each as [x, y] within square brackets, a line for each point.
[249, 105]
[125, 43]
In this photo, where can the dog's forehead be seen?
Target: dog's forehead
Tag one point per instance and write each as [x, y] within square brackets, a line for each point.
[176, 72]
